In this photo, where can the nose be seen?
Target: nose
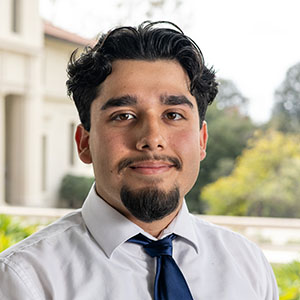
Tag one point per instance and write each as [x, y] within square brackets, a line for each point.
[150, 135]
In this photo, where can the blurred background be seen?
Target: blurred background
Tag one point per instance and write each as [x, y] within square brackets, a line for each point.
[252, 168]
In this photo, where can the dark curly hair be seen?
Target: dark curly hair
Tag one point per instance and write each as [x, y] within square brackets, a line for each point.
[148, 42]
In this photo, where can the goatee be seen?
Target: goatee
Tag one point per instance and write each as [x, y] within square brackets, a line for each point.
[150, 204]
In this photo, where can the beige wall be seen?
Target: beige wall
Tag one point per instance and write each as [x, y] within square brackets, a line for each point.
[60, 119]
[56, 56]
[20, 67]
[36, 116]
[59, 122]
[30, 35]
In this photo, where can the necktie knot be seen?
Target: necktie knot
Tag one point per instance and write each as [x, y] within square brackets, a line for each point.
[160, 247]
[155, 248]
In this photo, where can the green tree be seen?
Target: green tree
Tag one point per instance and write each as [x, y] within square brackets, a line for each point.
[288, 279]
[12, 231]
[286, 111]
[229, 129]
[265, 181]
[229, 97]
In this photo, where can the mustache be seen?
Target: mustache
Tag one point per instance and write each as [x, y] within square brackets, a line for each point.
[131, 160]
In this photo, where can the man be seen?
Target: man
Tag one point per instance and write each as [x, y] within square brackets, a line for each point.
[141, 94]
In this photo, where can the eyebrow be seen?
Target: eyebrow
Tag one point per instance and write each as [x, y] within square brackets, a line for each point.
[176, 100]
[126, 100]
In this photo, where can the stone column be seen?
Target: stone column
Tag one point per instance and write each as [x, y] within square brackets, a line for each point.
[23, 157]
[32, 142]
[15, 134]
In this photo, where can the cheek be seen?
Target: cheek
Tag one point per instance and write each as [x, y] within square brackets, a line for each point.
[187, 147]
[108, 149]
[187, 144]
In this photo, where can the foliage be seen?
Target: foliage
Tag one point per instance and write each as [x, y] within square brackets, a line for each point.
[265, 181]
[73, 190]
[288, 280]
[229, 97]
[12, 231]
[229, 129]
[286, 111]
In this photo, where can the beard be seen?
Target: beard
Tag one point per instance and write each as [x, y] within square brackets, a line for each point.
[150, 204]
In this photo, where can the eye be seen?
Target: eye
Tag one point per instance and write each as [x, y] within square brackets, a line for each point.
[123, 117]
[174, 116]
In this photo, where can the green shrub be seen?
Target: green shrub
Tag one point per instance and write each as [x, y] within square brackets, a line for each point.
[73, 190]
[12, 231]
[288, 280]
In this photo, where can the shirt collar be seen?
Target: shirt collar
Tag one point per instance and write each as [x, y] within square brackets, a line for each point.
[110, 228]
[183, 227]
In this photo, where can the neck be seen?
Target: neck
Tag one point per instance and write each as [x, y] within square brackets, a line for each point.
[156, 227]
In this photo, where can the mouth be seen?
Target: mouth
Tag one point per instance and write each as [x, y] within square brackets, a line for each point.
[151, 167]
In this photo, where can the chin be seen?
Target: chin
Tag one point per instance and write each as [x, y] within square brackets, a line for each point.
[150, 204]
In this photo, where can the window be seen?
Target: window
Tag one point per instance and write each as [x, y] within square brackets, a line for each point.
[15, 16]
[44, 163]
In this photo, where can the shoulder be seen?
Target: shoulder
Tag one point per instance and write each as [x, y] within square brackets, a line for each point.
[235, 251]
[24, 265]
[220, 234]
[229, 245]
[234, 258]
[53, 233]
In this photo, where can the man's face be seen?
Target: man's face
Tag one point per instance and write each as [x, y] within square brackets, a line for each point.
[145, 132]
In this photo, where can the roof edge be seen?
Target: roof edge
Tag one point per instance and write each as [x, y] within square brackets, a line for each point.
[61, 34]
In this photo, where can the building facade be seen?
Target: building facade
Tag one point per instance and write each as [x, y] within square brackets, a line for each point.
[37, 119]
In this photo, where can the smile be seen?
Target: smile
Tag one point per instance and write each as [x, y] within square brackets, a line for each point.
[151, 168]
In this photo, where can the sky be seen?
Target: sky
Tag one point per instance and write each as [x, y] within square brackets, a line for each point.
[252, 43]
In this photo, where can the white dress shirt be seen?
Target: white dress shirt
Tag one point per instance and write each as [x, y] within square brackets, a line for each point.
[85, 256]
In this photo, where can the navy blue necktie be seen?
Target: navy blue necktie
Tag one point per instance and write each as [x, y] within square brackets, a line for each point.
[169, 281]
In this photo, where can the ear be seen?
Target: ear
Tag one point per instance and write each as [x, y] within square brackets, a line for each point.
[82, 141]
[203, 140]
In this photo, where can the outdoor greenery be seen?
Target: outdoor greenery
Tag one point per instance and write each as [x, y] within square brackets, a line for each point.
[286, 110]
[264, 182]
[229, 129]
[73, 190]
[12, 231]
[288, 280]
[261, 176]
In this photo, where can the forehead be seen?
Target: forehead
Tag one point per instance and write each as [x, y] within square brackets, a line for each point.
[145, 78]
